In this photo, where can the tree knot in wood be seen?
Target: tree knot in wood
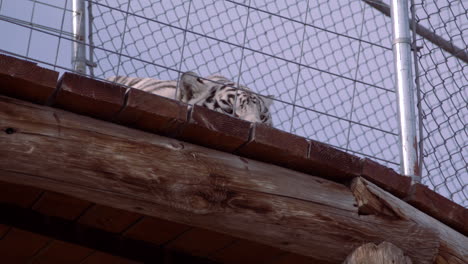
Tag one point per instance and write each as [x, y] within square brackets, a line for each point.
[252, 205]
[212, 195]
[208, 199]
[10, 130]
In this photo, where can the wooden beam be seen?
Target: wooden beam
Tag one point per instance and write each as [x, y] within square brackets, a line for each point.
[136, 171]
[46, 227]
[375, 201]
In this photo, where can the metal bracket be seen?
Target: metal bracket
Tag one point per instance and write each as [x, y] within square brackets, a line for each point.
[416, 47]
[91, 64]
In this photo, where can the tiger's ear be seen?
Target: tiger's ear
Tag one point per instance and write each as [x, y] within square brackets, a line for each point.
[191, 87]
[268, 100]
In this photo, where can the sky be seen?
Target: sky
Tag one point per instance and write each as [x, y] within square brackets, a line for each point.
[328, 64]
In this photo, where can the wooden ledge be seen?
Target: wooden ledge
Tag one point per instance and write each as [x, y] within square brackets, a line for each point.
[434, 204]
[329, 162]
[278, 147]
[180, 182]
[373, 200]
[386, 178]
[25, 80]
[153, 113]
[83, 95]
[144, 111]
[215, 130]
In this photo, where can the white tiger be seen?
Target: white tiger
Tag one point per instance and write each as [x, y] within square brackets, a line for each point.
[214, 92]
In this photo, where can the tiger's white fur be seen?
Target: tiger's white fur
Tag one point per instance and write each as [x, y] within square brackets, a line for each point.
[214, 92]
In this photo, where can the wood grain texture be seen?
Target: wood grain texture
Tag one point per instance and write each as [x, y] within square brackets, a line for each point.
[157, 176]
[59, 252]
[21, 195]
[385, 253]
[25, 80]
[153, 113]
[386, 178]
[291, 258]
[18, 246]
[108, 218]
[156, 231]
[370, 204]
[453, 245]
[60, 205]
[90, 97]
[432, 203]
[275, 146]
[200, 242]
[247, 252]
[100, 258]
[330, 162]
[215, 130]
[81, 235]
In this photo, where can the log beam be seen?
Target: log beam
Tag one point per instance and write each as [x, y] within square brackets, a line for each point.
[373, 200]
[157, 176]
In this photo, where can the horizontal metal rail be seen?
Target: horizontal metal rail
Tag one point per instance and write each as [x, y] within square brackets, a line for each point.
[431, 36]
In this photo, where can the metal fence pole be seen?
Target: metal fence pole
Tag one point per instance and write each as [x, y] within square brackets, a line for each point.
[409, 165]
[424, 32]
[79, 31]
[91, 62]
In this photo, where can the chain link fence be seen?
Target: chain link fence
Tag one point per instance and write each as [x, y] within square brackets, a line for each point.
[326, 63]
[443, 77]
[329, 64]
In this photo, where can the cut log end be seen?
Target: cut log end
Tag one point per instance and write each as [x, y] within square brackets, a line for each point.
[370, 204]
[385, 253]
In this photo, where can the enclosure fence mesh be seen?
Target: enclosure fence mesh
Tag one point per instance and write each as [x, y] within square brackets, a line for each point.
[329, 64]
[444, 80]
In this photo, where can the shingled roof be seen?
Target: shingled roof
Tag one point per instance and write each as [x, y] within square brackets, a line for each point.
[56, 225]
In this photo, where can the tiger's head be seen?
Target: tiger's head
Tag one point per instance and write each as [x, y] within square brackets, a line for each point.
[217, 93]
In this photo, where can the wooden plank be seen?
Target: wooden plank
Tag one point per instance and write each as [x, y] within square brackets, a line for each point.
[153, 113]
[143, 146]
[18, 246]
[332, 163]
[247, 252]
[286, 149]
[85, 236]
[193, 185]
[3, 230]
[90, 97]
[200, 242]
[154, 230]
[20, 195]
[108, 218]
[453, 245]
[60, 205]
[386, 178]
[435, 205]
[296, 259]
[59, 252]
[25, 80]
[215, 130]
[104, 258]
